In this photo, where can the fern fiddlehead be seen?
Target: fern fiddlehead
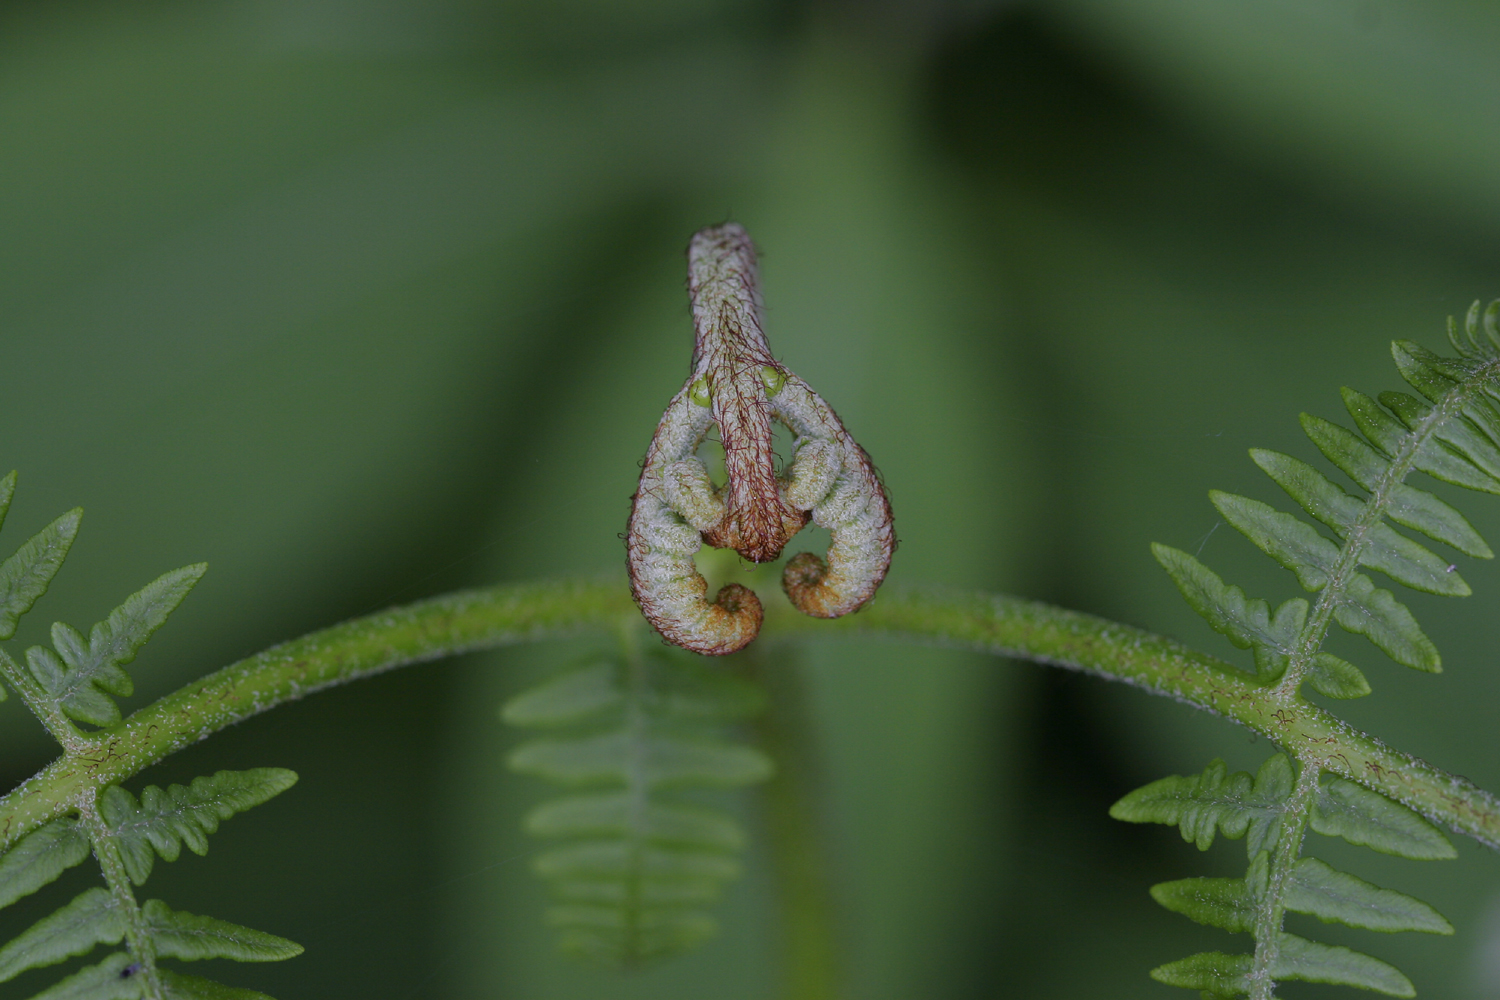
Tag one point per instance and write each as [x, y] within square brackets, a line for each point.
[739, 387]
[1452, 433]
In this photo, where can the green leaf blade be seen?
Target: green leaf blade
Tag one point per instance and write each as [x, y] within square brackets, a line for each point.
[180, 986]
[1213, 972]
[1214, 902]
[1322, 891]
[1246, 622]
[114, 978]
[91, 918]
[1433, 376]
[1314, 492]
[163, 820]
[25, 576]
[1409, 562]
[574, 697]
[1201, 805]
[191, 937]
[657, 761]
[40, 857]
[1360, 816]
[617, 814]
[83, 673]
[1308, 961]
[1336, 678]
[1292, 543]
[1376, 614]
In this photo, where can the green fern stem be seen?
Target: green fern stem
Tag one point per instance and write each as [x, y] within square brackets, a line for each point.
[1030, 630]
[1373, 514]
[58, 725]
[137, 934]
[500, 616]
[1271, 907]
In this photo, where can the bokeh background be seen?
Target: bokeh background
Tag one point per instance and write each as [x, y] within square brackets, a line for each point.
[364, 300]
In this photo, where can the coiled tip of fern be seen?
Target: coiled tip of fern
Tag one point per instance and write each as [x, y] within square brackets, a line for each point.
[806, 582]
[732, 623]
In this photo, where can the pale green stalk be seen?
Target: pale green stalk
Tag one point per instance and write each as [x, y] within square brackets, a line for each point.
[500, 616]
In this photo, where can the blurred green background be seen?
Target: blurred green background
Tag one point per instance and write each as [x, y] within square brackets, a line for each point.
[364, 301]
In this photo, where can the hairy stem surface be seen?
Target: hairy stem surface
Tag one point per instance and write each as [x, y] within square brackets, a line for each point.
[1271, 907]
[486, 619]
[137, 934]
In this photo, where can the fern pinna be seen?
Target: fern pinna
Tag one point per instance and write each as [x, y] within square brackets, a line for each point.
[1452, 432]
[641, 859]
[74, 682]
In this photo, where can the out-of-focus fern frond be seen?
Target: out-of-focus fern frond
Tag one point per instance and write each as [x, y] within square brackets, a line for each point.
[641, 860]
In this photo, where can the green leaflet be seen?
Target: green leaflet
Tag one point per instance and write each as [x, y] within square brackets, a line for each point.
[1292, 543]
[573, 697]
[1311, 962]
[1247, 622]
[1237, 804]
[190, 937]
[1213, 972]
[1335, 896]
[1215, 801]
[91, 918]
[656, 761]
[1360, 816]
[40, 857]
[1217, 902]
[638, 865]
[614, 814]
[1408, 506]
[25, 576]
[1376, 614]
[1395, 555]
[1336, 678]
[82, 674]
[162, 821]
[1221, 975]
[112, 979]
[180, 986]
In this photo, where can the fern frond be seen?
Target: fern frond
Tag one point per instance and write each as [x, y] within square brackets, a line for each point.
[82, 674]
[1451, 435]
[1215, 801]
[1450, 430]
[126, 835]
[1261, 809]
[641, 861]
[162, 821]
